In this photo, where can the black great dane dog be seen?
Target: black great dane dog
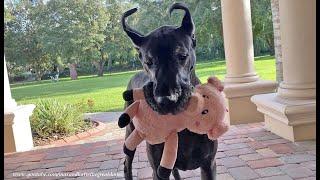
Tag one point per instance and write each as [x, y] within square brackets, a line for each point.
[168, 58]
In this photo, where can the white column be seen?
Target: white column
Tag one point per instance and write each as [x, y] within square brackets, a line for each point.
[17, 130]
[291, 112]
[241, 80]
[9, 103]
[238, 42]
[298, 37]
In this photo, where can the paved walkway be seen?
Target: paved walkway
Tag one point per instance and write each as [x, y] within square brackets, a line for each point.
[245, 152]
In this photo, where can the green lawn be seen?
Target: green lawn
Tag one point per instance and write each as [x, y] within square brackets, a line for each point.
[106, 91]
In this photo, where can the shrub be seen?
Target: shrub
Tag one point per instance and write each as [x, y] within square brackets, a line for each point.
[51, 117]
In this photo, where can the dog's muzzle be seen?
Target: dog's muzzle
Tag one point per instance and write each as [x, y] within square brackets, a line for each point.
[172, 97]
[168, 104]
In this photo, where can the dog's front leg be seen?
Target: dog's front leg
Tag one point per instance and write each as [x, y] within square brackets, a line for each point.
[128, 167]
[154, 153]
[209, 170]
[128, 159]
[176, 174]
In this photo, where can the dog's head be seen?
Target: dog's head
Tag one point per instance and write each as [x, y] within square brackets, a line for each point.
[168, 56]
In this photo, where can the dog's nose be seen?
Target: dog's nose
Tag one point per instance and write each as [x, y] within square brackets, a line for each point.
[164, 99]
[165, 95]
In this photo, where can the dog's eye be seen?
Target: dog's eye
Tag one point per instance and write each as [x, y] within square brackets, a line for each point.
[182, 57]
[205, 111]
[191, 68]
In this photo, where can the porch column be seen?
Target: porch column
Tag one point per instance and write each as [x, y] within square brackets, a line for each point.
[241, 80]
[291, 112]
[17, 130]
[9, 103]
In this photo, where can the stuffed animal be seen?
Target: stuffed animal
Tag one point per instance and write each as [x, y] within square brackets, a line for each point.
[203, 114]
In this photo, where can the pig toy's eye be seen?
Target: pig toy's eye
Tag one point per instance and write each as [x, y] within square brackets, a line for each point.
[205, 96]
[205, 111]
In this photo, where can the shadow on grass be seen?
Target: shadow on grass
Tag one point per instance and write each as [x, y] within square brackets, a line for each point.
[211, 73]
[30, 93]
[76, 87]
[262, 58]
[109, 110]
[67, 79]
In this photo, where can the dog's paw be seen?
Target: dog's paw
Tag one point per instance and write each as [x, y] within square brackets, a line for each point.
[124, 120]
[163, 172]
[128, 95]
[128, 152]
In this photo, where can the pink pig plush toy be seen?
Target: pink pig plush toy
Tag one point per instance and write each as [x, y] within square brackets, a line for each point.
[203, 114]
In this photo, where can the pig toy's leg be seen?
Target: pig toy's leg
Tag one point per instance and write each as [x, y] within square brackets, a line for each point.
[133, 94]
[131, 143]
[169, 155]
[128, 114]
[137, 94]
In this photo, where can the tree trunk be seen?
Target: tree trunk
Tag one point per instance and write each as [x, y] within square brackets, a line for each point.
[270, 42]
[101, 67]
[101, 64]
[38, 76]
[73, 71]
[277, 39]
[109, 64]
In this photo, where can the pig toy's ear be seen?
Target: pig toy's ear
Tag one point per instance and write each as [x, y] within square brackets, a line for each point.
[193, 105]
[215, 82]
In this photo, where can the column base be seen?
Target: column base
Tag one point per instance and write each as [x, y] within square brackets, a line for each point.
[241, 78]
[294, 120]
[9, 145]
[17, 130]
[241, 109]
[297, 91]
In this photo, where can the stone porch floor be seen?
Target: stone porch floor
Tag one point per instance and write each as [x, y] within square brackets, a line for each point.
[245, 152]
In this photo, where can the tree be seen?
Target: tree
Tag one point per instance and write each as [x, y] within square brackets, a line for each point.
[61, 32]
[206, 16]
[262, 26]
[39, 34]
[22, 43]
[95, 18]
[84, 30]
[116, 44]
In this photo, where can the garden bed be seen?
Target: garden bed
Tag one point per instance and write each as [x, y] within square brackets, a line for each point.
[93, 128]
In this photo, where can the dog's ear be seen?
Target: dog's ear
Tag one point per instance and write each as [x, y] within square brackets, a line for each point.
[187, 24]
[136, 37]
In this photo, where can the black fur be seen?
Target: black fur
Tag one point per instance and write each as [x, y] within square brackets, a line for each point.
[163, 172]
[128, 95]
[128, 152]
[168, 58]
[124, 120]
